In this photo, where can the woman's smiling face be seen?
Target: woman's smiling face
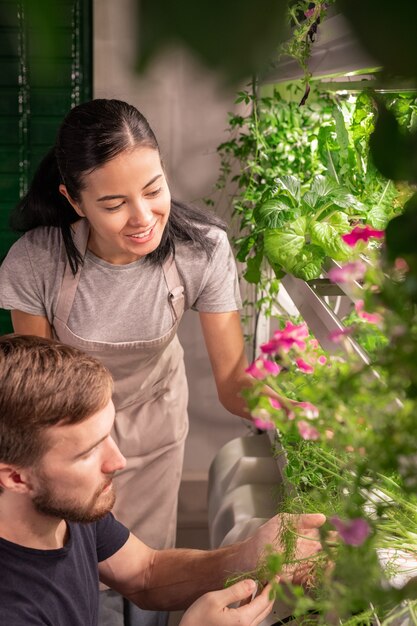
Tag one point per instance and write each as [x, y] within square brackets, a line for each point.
[127, 203]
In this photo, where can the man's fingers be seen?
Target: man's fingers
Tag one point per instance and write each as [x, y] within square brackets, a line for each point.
[261, 606]
[310, 520]
[237, 592]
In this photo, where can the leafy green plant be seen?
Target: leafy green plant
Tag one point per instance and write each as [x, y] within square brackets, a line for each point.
[300, 230]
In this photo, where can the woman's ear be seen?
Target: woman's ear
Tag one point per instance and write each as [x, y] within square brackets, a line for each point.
[75, 205]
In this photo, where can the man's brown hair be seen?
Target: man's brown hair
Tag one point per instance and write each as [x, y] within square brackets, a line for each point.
[44, 383]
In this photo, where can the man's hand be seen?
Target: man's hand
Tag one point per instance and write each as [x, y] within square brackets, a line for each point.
[212, 609]
[307, 545]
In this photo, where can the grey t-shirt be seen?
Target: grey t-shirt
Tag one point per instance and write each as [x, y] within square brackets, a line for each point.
[116, 303]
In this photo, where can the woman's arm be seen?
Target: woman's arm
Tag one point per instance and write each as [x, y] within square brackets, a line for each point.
[225, 345]
[27, 324]
[223, 337]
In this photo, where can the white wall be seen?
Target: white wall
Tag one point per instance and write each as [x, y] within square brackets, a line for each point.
[187, 109]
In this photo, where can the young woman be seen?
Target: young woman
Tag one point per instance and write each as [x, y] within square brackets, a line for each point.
[108, 264]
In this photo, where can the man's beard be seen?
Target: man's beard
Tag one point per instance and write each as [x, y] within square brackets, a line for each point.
[48, 503]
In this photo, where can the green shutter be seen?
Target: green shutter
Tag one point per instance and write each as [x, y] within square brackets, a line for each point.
[45, 68]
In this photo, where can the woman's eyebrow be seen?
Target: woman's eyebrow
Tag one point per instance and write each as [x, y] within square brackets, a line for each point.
[152, 181]
[117, 196]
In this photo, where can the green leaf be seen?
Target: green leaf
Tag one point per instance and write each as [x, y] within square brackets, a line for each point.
[323, 186]
[329, 153]
[281, 245]
[341, 131]
[253, 268]
[377, 217]
[289, 186]
[307, 264]
[328, 236]
[345, 200]
[340, 222]
[245, 246]
[272, 214]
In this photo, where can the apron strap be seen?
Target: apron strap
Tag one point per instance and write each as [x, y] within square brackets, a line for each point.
[70, 282]
[175, 287]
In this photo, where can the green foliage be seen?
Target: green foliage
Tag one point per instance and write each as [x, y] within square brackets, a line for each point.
[222, 35]
[306, 177]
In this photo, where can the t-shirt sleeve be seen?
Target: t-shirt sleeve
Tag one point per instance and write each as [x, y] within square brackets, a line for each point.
[111, 535]
[19, 288]
[220, 286]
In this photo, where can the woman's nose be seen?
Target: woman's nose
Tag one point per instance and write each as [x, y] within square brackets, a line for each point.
[140, 213]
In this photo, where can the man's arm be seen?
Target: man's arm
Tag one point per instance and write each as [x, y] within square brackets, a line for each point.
[174, 579]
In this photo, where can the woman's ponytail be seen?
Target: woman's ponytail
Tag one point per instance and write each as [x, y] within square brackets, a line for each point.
[44, 205]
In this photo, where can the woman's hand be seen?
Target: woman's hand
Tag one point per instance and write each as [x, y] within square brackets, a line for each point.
[212, 609]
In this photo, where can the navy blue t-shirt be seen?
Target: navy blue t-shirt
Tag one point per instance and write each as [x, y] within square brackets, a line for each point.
[57, 587]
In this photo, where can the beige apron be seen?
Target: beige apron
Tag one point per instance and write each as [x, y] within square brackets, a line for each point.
[151, 398]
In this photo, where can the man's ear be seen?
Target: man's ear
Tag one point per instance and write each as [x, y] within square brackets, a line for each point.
[62, 189]
[14, 479]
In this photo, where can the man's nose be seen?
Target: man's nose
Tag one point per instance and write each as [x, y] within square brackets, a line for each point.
[114, 460]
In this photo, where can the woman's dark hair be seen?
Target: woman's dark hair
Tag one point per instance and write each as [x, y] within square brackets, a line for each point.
[92, 134]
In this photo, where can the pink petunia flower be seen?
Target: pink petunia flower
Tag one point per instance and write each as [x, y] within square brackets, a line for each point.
[307, 431]
[262, 419]
[261, 368]
[338, 335]
[348, 272]
[314, 343]
[322, 360]
[361, 233]
[304, 366]
[275, 403]
[310, 411]
[401, 265]
[281, 407]
[309, 13]
[353, 532]
[287, 338]
[372, 318]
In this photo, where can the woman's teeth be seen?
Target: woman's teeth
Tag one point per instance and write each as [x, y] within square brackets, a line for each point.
[141, 235]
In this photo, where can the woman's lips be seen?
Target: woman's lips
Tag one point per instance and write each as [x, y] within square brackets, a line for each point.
[143, 236]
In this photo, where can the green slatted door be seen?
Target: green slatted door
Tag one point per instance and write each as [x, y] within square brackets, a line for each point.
[45, 68]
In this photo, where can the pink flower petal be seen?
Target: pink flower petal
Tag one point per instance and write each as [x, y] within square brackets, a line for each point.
[310, 411]
[401, 265]
[275, 404]
[304, 366]
[372, 318]
[353, 532]
[307, 431]
[271, 347]
[338, 335]
[322, 360]
[361, 233]
[263, 425]
[261, 368]
[348, 272]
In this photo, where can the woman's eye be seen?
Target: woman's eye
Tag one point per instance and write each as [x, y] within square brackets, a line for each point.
[113, 208]
[153, 194]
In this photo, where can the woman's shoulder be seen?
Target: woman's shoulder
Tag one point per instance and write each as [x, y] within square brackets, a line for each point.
[40, 240]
